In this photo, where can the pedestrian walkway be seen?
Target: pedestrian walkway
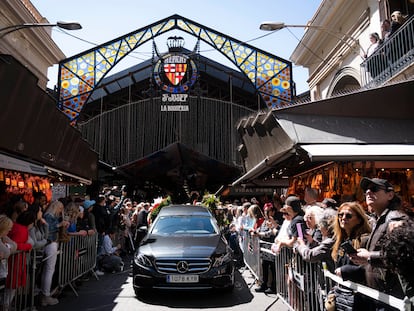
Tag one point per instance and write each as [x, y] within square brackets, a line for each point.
[115, 292]
[271, 300]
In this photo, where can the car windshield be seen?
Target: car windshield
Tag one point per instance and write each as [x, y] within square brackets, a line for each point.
[169, 225]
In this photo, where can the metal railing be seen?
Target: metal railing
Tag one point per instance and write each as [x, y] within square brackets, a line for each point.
[18, 290]
[250, 246]
[76, 258]
[302, 285]
[393, 56]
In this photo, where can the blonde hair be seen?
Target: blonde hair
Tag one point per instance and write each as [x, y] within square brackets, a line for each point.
[51, 209]
[72, 211]
[357, 232]
[5, 224]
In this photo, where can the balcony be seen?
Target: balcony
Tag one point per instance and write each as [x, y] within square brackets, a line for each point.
[393, 60]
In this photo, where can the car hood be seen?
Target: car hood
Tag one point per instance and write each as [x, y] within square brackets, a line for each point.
[182, 246]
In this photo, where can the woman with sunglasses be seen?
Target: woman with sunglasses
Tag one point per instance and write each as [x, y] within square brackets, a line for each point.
[350, 228]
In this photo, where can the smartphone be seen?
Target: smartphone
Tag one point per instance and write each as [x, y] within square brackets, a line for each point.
[301, 227]
[348, 248]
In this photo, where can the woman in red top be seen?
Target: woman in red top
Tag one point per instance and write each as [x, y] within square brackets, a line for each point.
[17, 264]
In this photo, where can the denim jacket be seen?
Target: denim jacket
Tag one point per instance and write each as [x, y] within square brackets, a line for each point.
[53, 222]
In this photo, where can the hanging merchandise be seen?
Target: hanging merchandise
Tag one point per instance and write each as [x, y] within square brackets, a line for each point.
[24, 184]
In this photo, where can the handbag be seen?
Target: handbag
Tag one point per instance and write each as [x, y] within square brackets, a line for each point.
[63, 235]
[340, 299]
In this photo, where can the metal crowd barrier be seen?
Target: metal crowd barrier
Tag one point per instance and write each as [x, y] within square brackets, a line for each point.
[250, 246]
[76, 258]
[302, 285]
[299, 283]
[17, 289]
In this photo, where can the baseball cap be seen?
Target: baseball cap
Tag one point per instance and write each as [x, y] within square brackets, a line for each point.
[294, 203]
[383, 183]
[88, 203]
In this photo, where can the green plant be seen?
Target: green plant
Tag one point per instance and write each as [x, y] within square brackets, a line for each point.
[213, 202]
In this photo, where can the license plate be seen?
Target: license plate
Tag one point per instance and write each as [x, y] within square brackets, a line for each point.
[176, 278]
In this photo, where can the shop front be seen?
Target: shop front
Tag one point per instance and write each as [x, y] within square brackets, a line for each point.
[330, 145]
[19, 177]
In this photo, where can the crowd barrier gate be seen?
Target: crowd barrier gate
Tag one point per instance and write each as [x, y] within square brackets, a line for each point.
[303, 286]
[76, 258]
[18, 290]
[250, 246]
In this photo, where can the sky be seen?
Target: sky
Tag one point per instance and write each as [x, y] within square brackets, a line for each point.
[105, 20]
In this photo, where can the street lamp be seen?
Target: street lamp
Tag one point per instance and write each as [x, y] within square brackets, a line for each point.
[64, 25]
[275, 26]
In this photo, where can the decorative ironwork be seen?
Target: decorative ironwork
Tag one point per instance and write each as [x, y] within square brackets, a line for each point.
[80, 74]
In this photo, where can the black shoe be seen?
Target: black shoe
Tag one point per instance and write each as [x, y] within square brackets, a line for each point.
[260, 289]
[270, 291]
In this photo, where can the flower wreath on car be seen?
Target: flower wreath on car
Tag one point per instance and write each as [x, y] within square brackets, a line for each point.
[158, 204]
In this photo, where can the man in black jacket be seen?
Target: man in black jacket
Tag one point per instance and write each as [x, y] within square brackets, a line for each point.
[382, 201]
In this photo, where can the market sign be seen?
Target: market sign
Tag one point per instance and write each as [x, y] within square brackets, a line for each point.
[175, 74]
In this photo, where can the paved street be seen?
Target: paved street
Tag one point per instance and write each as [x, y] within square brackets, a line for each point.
[115, 292]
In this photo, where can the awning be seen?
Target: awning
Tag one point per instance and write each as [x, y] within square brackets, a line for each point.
[33, 128]
[14, 164]
[176, 165]
[353, 152]
[263, 166]
[59, 172]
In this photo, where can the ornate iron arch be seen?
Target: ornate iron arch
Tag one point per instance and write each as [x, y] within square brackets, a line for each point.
[79, 75]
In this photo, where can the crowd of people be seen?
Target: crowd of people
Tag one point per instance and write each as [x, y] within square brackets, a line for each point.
[367, 242]
[42, 225]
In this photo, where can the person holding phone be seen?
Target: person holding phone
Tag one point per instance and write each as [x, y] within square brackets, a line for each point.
[293, 207]
[352, 227]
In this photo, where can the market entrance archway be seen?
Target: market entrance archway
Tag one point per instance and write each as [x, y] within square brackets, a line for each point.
[270, 75]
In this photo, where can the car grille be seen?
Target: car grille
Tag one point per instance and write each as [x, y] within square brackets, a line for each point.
[195, 265]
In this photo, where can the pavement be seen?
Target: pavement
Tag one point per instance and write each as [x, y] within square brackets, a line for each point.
[115, 292]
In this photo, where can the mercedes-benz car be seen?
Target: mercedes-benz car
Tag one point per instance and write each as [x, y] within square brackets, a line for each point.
[183, 249]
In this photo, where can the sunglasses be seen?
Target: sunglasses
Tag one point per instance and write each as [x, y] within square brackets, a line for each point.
[375, 188]
[347, 215]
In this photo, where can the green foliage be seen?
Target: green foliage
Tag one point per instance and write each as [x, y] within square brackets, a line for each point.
[212, 202]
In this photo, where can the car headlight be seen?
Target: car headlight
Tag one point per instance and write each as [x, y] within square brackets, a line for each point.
[142, 260]
[222, 259]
